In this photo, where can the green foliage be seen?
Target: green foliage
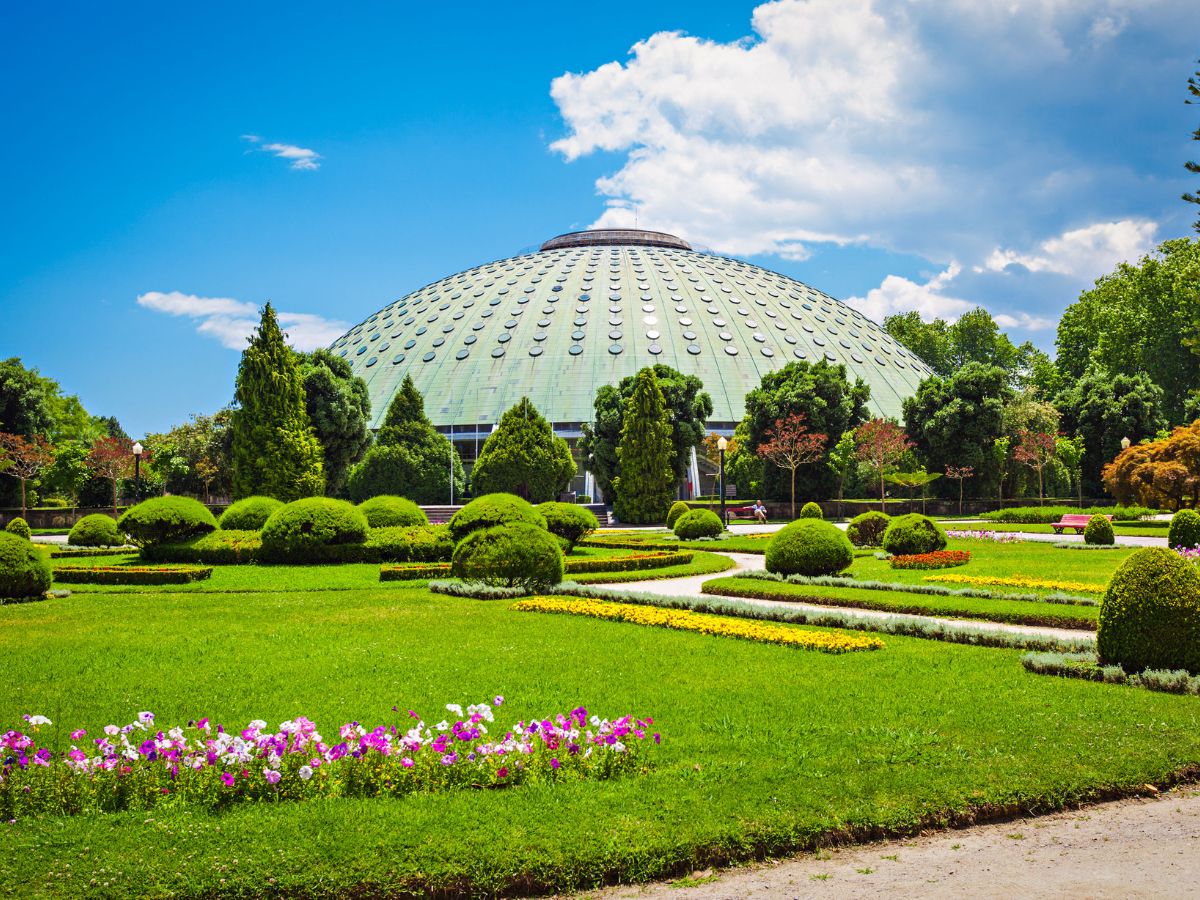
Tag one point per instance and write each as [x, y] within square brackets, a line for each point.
[866, 529]
[193, 457]
[913, 533]
[523, 457]
[23, 571]
[698, 523]
[1185, 529]
[743, 467]
[512, 555]
[1099, 531]
[405, 412]
[568, 521]
[129, 575]
[491, 510]
[972, 338]
[811, 510]
[1150, 616]
[643, 490]
[275, 452]
[339, 409]
[53, 503]
[249, 514]
[1043, 515]
[809, 547]
[422, 543]
[166, 520]
[678, 508]
[68, 474]
[386, 511]
[419, 469]
[96, 530]
[303, 528]
[19, 527]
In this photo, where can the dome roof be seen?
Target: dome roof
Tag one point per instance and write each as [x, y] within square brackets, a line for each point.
[592, 307]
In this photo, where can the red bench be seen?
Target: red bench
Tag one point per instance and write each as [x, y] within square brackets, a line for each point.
[1075, 522]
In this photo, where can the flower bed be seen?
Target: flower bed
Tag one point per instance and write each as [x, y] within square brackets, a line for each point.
[131, 574]
[904, 587]
[997, 537]
[681, 620]
[1079, 587]
[937, 559]
[138, 766]
[632, 563]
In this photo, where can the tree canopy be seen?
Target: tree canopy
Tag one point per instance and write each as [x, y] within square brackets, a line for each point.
[523, 457]
[643, 490]
[974, 337]
[339, 409]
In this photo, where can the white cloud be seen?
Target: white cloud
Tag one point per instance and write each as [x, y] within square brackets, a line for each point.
[232, 322]
[1083, 253]
[1024, 321]
[300, 157]
[897, 295]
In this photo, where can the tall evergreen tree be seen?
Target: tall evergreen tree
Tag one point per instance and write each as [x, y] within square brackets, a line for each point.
[274, 449]
[644, 489]
[523, 457]
[339, 408]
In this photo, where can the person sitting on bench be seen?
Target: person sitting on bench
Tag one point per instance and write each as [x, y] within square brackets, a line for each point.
[760, 512]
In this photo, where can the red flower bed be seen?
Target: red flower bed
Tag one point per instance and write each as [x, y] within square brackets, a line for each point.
[938, 559]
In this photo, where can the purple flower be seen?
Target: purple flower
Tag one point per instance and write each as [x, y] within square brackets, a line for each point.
[272, 776]
[502, 772]
[78, 734]
[554, 764]
[497, 700]
[227, 779]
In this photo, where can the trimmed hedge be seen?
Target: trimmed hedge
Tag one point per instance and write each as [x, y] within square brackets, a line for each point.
[568, 521]
[425, 543]
[249, 514]
[24, 572]
[60, 552]
[130, 575]
[698, 523]
[1098, 531]
[1046, 515]
[678, 508]
[303, 530]
[866, 529]
[1150, 615]
[913, 534]
[811, 510]
[636, 563]
[387, 511]
[809, 547]
[513, 555]
[165, 520]
[96, 530]
[491, 510]
[19, 527]
[414, 571]
[1185, 529]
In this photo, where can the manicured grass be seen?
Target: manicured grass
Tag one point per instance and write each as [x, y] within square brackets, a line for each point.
[702, 564]
[765, 748]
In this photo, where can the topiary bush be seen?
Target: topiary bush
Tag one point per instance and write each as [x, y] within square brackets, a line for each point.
[678, 508]
[303, 528]
[912, 534]
[809, 547]
[387, 511]
[19, 527]
[491, 510]
[698, 523]
[514, 555]
[1185, 529]
[866, 529]
[96, 530]
[568, 521]
[811, 510]
[249, 514]
[163, 520]
[1150, 614]
[1098, 531]
[24, 573]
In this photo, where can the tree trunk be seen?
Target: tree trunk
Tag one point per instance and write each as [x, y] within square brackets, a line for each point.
[960, 495]
[23, 513]
[1041, 491]
[841, 491]
[882, 498]
[114, 494]
[793, 495]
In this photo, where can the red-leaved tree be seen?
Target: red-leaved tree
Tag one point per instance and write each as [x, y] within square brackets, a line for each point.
[791, 445]
[24, 458]
[880, 444]
[1035, 449]
[111, 458]
[960, 474]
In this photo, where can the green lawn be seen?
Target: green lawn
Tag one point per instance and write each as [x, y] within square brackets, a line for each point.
[765, 748]
[1151, 528]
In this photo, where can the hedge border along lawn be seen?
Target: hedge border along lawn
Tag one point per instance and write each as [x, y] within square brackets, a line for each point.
[1120, 529]
[606, 569]
[69, 553]
[131, 575]
[1088, 667]
[662, 540]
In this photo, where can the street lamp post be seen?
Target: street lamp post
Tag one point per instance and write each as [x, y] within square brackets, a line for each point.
[452, 473]
[137, 472]
[721, 445]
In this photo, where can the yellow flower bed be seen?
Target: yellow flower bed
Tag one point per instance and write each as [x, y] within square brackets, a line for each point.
[1074, 587]
[720, 626]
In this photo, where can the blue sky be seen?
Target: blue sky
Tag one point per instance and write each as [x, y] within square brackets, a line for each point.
[903, 155]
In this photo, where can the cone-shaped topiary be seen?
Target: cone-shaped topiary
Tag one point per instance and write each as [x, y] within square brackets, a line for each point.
[1150, 615]
[96, 530]
[513, 555]
[698, 523]
[569, 521]
[300, 529]
[491, 510]
[19, 527]
[866, 529]
[1098, 531]
[678, 508]
[166, 520]
[811, 510]
[250, 514]
[386, 512]
[646, 481]
[23, 571]
[523, 457]
[913, 533]
[809, 547]
[1185, 529]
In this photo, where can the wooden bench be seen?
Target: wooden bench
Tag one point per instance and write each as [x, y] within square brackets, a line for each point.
[740, 512]
[1075, 522]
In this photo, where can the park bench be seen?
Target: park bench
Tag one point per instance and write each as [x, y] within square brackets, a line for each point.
[741, 512]
[1075, 522]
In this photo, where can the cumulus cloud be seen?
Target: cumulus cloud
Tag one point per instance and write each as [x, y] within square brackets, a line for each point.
[300, 158]
[231, 322]
[1083, 253]
[898, 295]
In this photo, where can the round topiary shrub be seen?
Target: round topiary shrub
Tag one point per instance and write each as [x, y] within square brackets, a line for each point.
[23, 571]
[911, 534]
[568, 521]
[19, 527]
[1185, 529]
[811, 510]
[1150, 615]
[1098, 531]
[866, 529]
[678, 508]
[298, 531]
[96, 530]
[249, 514]
[514, 555]
[166, 520]
[386, 511]
[698, 523]
[491, 510]
[809, 547]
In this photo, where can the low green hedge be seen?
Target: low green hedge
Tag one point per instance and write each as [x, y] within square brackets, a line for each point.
[72, 552]
[131, 575]
[1045, 515]
[414, 571]
[421, 543]
[635, 563]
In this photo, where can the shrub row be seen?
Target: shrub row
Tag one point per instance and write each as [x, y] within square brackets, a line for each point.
[131, 575]
[79, 552]
[635, 563]
[413, 571]
[1088, 667]
[428, 543]
[1044, 515]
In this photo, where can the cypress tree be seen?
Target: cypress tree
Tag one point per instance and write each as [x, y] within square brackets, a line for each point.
[645, 488]
[523, 457]
[275, 452]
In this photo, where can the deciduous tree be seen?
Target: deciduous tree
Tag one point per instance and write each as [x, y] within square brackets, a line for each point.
[111, 458]
[880, 444]
[789, 445]
[959, 474]
[25, 458]
[1035, 449]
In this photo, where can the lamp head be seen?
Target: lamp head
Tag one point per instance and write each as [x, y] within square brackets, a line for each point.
[722, 444]
[137, 449]
[1125, 442]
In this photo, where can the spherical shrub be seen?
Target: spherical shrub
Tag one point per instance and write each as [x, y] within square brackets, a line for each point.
[491, 510]
[96, 530]
[809, 547]
[1098, 531]
[249, 513]
[1150, 615]
[386, 511]
[1185, 529]
[698, 523]
[678, 508]
[19, 527]
[913, 533]
[811, 510]
[514, 555]
[166, 520]
[569, 521]
[300, 529]
[23, 570]
[866, 529]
